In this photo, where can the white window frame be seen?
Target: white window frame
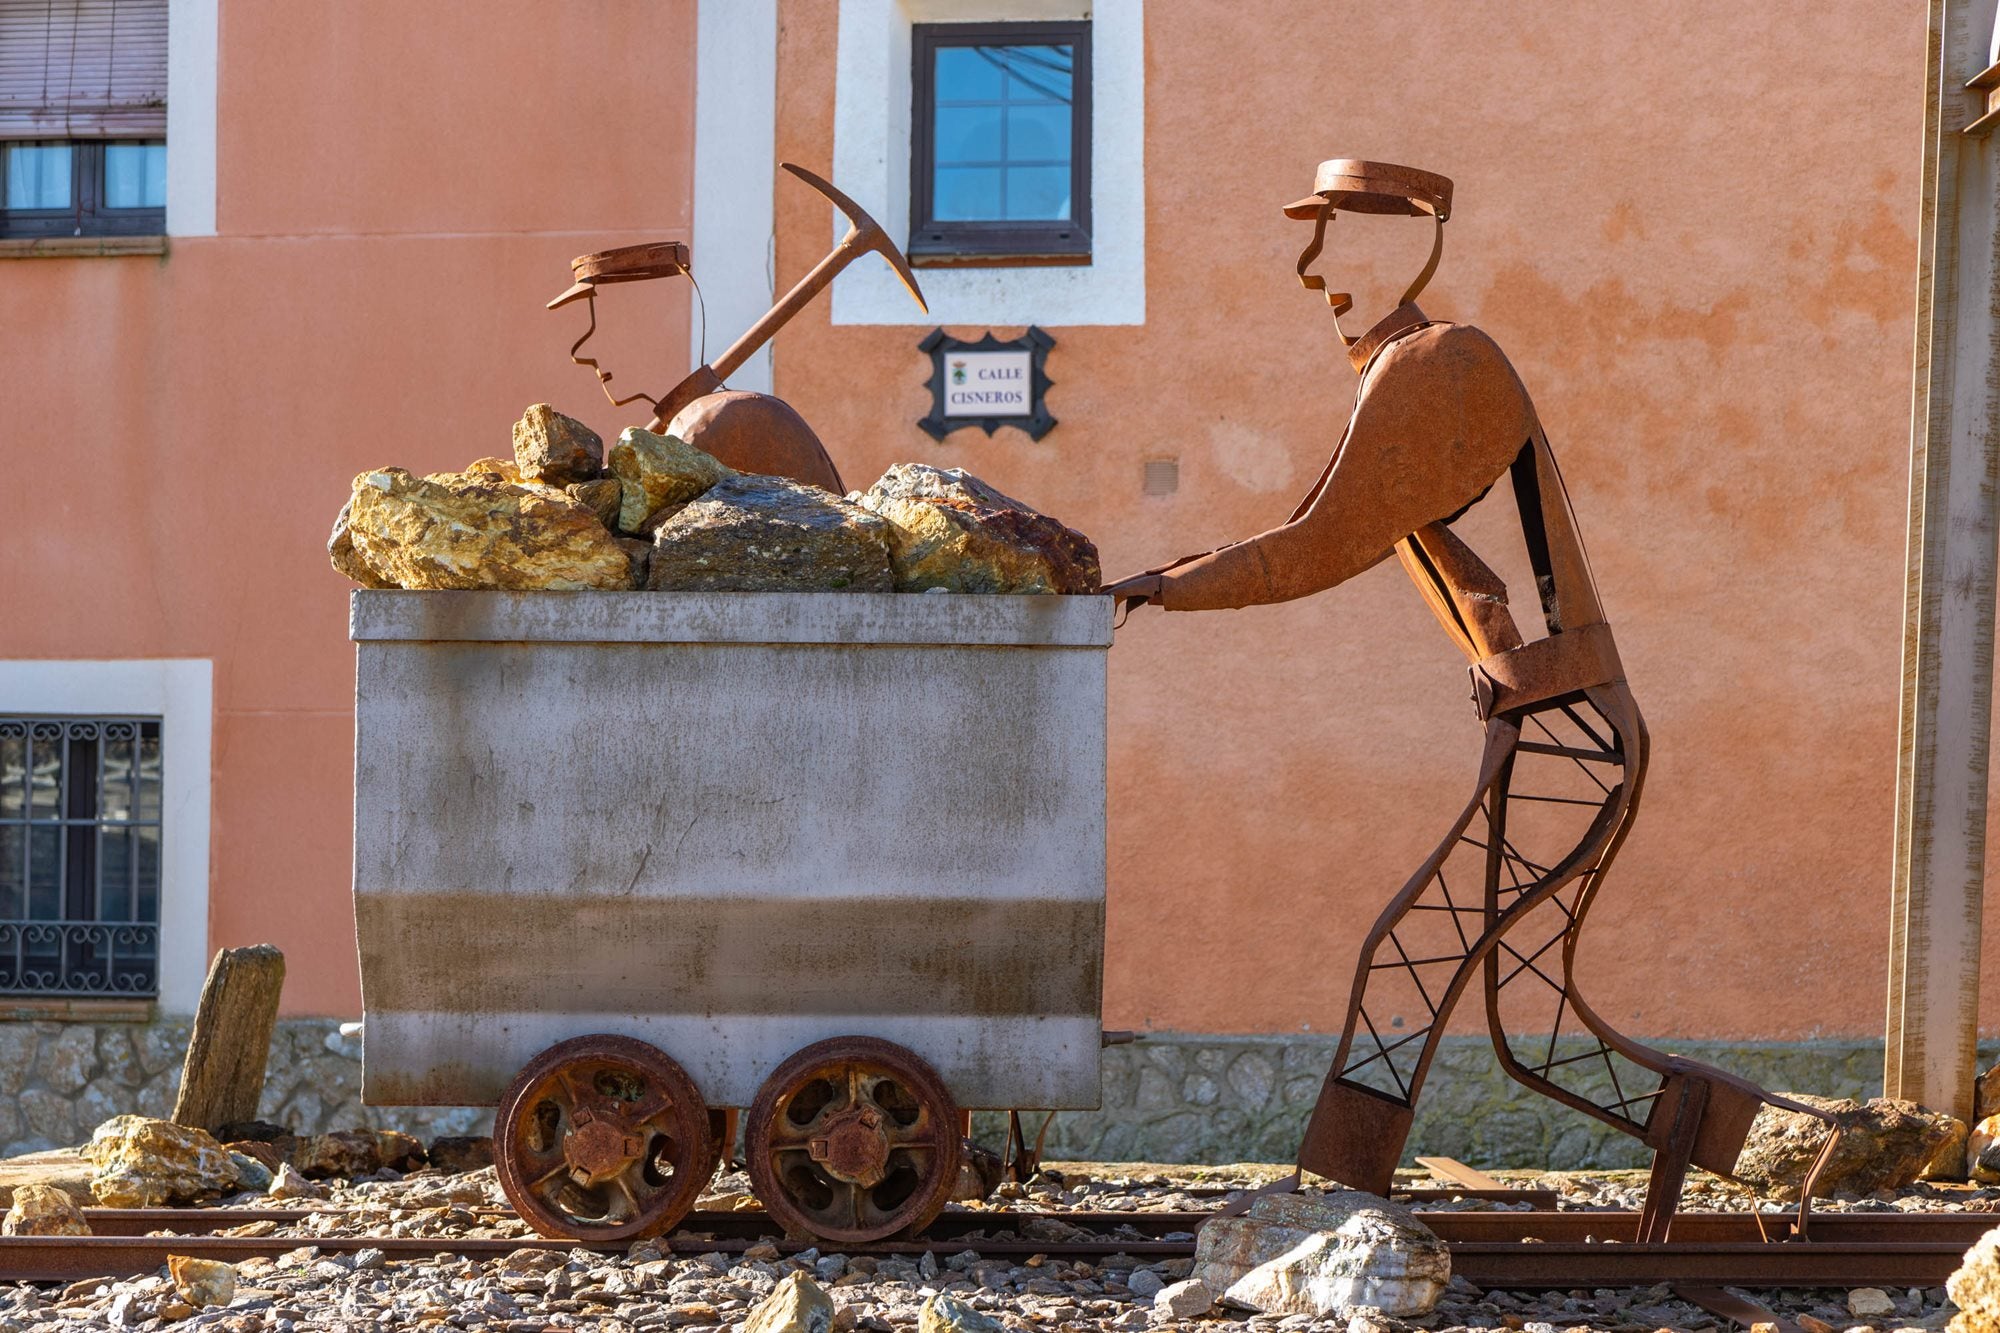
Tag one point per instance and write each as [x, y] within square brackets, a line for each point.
[192, 37]
[181, 693]
[871, 162]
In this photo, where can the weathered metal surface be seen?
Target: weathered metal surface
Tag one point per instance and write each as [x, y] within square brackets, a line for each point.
[1440, 418]
[772, 822]
[853, 1140]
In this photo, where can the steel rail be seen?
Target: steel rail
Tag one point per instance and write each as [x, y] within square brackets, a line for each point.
[1503, 1250]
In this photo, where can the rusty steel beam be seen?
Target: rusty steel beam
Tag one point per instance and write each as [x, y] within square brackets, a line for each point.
[1945, 715]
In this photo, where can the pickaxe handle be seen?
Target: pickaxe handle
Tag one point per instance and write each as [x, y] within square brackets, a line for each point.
[864, 235]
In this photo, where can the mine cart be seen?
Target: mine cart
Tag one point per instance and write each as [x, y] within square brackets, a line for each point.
[626, 861]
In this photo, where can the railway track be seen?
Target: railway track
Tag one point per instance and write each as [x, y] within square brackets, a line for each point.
[1510, 1250]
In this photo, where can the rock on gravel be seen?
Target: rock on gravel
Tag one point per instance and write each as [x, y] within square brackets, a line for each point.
[1884, 1144]
[289, 1184]
[945, 1313]
[1294, 1254]
[1187, 1299]
[202, 1281]
[43, 1210]
[795, 1305]
[455, 1153]
[145, 1163]
[1975, 1287]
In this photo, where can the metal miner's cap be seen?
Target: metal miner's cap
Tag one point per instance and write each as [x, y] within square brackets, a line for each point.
[1374, 187]
[628, 263]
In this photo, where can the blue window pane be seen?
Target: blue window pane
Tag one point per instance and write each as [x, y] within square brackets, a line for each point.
[1037, 73]
[1037, 133]
[967, 73]
[135, 175]
[38, 175]
[45, 872]
[967, 194]
[1037, 193]
[968, 134]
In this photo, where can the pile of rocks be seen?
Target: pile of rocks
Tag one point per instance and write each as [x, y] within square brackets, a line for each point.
[660, 514]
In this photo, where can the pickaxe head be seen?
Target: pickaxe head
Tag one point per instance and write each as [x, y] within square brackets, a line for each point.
[863, 232]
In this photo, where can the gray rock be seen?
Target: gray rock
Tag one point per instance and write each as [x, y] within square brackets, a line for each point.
[1187, 1299]
[67, 1061]
[945, 1313]
[1884, 1144]
[1145, 1284]
[554, 449]
[953, 531]
[766, 534]
[796, 1305]
[1292, 1254]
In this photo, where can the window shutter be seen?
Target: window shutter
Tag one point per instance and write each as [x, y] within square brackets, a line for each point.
[83, 69]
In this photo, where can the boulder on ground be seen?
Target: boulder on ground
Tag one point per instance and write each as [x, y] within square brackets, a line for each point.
[1295, 1254]
[145, 1163]
[1884, 1144]
[202, 1282]
[796, 1305]
[953, 531]
[455, 1153]
[43, 1210]
[289, 1184]
[1186, 1299]
[356, 1152]
[655, 471]
[1975, 1287]
[765, 534]
[979, 1172]
[550, 447]
[397, 1151]
[475, 530]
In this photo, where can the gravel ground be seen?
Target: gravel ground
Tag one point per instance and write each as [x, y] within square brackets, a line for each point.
[644, 1290]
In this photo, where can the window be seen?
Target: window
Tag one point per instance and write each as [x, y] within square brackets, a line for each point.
[1000, 142]
[80, 823]
[83, 117]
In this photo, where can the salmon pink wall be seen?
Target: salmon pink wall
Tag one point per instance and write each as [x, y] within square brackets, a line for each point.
[400, 188]
[1692, 226]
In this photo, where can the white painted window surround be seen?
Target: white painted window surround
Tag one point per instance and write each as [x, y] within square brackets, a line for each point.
[735, 162]
[192, 44]
[180, 692]
[871, 162]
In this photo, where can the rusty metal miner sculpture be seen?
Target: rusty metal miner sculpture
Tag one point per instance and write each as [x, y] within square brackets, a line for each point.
[752, 432]
[1439, 418]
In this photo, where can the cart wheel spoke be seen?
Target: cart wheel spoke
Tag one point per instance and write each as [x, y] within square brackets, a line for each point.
[621, 1169]
[881, 1155]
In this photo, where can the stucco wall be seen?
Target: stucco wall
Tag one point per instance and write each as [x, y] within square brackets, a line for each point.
[1692, 227]
[400, 188]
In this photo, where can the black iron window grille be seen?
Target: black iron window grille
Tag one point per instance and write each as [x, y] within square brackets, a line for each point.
[79, 856]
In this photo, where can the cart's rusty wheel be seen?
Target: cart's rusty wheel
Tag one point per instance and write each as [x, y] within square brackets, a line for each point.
[601, 1138]
[851, 1140]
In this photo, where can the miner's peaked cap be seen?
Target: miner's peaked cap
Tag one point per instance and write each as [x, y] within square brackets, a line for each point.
[1374, 187]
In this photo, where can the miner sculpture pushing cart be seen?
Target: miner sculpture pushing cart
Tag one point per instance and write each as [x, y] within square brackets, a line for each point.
[1440, 417]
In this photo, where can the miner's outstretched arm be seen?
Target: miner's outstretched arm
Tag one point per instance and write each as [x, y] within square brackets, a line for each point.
[1438, 420]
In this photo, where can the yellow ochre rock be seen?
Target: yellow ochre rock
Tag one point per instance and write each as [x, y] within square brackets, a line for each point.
[655, 471]
[147, 1163]
[43, 1210]
[475, 530]
[202, 1281]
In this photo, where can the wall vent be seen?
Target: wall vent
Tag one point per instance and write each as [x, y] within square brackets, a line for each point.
[1163, 476]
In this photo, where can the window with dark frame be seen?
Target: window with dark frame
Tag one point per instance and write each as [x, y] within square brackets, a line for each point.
[80, 823]
[83, 118]
[1000, 143]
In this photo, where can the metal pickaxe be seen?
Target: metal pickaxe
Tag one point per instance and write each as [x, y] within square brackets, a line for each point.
[864, 234]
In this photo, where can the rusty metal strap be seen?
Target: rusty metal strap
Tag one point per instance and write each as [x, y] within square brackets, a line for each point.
[1572, 660]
